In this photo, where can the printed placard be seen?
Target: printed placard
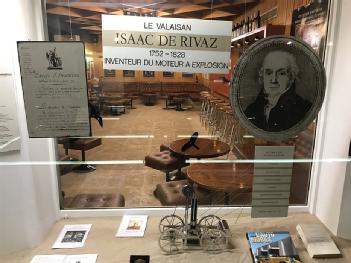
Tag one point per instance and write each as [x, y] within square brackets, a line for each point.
[274, 157]
[166, 44]
[271, 183]
[54, 88]
[269, 211]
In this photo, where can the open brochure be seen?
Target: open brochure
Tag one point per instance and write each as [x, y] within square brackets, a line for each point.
[132, 226]
[83, 258]
[72, 236]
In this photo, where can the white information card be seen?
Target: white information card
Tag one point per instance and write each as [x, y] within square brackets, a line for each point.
[166, 44]
[54, 88]
[132, 226]
[82, 258]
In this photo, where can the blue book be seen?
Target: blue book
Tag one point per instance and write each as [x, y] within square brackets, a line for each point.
[272, 247]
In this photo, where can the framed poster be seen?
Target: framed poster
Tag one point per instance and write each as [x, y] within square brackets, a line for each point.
[168, 74]
[310, 23]
[109, 73]
[129, 73]
[149, 74]
[277, 87]
[54, 87]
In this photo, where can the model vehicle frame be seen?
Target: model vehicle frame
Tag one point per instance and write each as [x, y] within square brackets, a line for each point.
[178, 234]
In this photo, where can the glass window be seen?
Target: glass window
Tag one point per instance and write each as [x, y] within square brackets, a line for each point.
[132, 159]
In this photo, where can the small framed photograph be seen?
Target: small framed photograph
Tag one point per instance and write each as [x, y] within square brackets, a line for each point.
[277, 87]
[168, 74]
[149, 74]
[129, 73]
[109, 73]
[187, 75]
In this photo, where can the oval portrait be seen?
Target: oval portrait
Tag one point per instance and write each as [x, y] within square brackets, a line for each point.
[277, 87]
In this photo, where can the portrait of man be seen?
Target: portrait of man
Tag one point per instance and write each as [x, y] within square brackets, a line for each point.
[278, 106]
[277, 87]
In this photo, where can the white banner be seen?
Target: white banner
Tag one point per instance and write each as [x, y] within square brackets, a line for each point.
[166, 44]
[54, 88]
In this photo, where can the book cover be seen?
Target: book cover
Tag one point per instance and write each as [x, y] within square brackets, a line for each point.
[272, 247]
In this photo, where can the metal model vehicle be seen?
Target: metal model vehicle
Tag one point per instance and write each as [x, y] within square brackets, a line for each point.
[178, 234]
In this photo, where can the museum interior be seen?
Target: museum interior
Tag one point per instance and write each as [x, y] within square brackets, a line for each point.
[145, 111]
[156, 134]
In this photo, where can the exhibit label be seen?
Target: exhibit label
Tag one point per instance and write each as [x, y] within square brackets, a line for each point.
[9, 132]
[166, 44]
[54, 88]
[272, 178]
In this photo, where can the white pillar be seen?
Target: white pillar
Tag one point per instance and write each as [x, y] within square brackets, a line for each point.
[330, 191]
[28, 194]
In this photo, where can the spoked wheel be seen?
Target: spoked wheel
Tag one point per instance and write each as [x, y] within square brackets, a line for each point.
[171, 222]
[209, 222]
[213, 241]
[171, 241]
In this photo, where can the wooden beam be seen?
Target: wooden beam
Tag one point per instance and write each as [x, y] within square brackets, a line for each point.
[161, 13]
[92, 28]
[117, 12]
[217, 14]
[63, 11]
[189, 8]
[89, 8]
[94, 17]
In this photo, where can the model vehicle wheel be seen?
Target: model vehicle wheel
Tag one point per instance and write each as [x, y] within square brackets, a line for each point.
[171, 241]
[209, 222]
[171, 222]
[213, 241]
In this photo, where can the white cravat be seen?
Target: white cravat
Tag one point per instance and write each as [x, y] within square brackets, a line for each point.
[271, 102]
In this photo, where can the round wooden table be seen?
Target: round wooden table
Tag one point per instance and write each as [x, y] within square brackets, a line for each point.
[226, 177]
[207, 148]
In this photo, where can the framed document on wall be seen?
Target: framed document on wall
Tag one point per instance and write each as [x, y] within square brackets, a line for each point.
[129, 73]
[168, 74]
[54, 87]
[187, 75]
[109, 73]
[149, 74]
[310, 23]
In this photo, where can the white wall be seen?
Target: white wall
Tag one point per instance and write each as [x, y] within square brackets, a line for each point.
[28, 194]
[334, 125]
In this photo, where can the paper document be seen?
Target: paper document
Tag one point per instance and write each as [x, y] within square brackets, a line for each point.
[317, 241]
[72, 236]
[83, 258]
[132, 226]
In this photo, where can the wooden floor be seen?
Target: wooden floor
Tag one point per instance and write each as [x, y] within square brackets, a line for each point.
[131, 136]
